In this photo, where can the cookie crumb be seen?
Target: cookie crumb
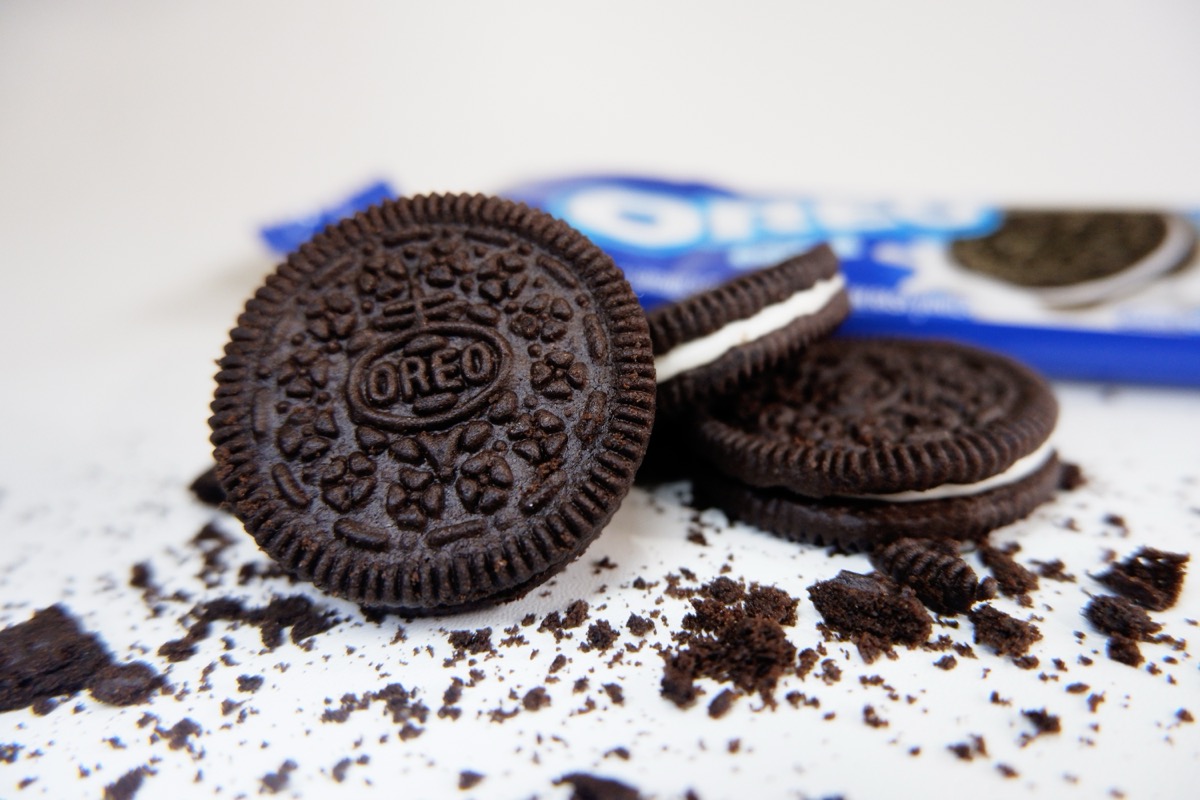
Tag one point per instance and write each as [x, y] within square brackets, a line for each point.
[1004, 634]
[872, 605]
[721, 704]
[1150, 577]
[942, 581]
[273, 782]
[594, 787]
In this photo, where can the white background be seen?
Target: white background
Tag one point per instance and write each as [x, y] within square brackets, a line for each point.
[142, 144]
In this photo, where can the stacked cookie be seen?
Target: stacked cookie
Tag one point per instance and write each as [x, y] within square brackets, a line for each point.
[441, 402]
[849, 442]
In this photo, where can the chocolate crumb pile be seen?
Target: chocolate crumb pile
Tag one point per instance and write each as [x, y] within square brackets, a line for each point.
[50, 655]
[733, 636]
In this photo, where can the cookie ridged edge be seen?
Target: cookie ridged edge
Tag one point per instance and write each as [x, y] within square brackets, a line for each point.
[740, 297]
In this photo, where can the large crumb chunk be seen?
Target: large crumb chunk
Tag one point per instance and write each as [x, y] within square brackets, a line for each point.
[871, 605]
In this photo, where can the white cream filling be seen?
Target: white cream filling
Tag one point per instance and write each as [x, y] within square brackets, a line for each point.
[708, 349]
[1022, 468]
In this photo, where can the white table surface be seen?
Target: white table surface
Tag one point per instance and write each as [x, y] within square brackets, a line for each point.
[143, 144]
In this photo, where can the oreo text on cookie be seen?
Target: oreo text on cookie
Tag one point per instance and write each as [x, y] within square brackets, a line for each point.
[427, 378]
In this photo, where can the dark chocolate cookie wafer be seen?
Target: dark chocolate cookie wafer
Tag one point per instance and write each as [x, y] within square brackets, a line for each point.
[435, 404]
[710, 342]
[862, 438]
[1072, 258]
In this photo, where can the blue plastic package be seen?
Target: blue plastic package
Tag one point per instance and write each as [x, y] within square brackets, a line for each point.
[285, 236]
[1141, 324]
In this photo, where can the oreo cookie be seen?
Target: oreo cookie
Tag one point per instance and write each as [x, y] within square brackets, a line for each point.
[436, 404]
[709, 343]
[863, 441]
[1079, 258]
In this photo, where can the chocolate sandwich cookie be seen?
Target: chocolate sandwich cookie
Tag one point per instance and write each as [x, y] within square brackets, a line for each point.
[707, 344]
[1079, 258]
[862, 441]
[435, 404]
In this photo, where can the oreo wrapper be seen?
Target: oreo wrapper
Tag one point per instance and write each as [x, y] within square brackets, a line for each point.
[1093, 294]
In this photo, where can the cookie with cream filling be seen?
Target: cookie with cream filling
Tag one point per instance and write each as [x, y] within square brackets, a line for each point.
[860, 441]
[711, 342]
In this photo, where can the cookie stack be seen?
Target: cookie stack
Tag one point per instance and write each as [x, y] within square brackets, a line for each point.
[847, 442]
[441, 402]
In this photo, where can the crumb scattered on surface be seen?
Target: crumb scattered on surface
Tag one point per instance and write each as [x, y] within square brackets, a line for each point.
[594, 787]
[1150, 577]
[1005, 635]
[871, 610]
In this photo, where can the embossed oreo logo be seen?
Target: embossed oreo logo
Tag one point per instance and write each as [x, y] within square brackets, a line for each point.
[427, 378]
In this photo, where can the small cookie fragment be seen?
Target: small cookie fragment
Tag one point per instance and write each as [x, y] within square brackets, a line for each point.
[1118, 616]
[1152, 578]
[127, 786]
[207, 488]
[594, 787]
[871, 605]
[944, 582]
[1043, 721]
[1004, 634]
[469, 779]
[1012, 578]
[1126, 624]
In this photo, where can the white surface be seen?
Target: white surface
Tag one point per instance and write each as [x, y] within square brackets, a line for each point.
[142, 144]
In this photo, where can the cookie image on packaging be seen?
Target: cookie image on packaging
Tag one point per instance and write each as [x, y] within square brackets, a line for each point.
[1079, 258]
[859, 442]
[435, 404]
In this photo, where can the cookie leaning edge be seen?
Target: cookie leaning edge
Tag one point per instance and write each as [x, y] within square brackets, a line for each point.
[515, 561]
[708, 312]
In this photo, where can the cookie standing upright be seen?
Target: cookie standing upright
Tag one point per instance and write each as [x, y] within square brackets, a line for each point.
[437, 403]
[863, 441]
[707, 344]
